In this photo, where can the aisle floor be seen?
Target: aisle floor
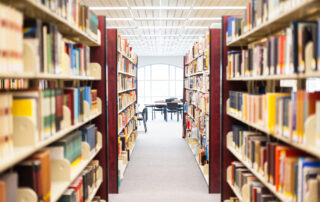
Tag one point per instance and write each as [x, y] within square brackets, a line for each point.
[163, 169]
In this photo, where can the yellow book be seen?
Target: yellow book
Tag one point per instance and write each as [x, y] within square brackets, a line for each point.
[271, 109]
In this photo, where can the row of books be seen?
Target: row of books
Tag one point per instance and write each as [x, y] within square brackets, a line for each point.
[84, 185]
[282, 114]
[125, 147]
[290, 51]
[126, 82]
[201, 46]
[13, 84]
[125, 48]
[199, 82]
[127, 134]
[53, 53]
[75, 13]
[35, 172]
[257, 13]
[11, 46]
[125, 99]
[199, 65]
[288, 169]
[241, 176]
[198, 99]
[124, 65]
[125, 116]
[45, 109]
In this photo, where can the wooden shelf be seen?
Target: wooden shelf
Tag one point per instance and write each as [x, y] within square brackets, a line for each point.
[199, 55]
[198, 73]
[277, 77]
[58, 188]
[119, 131]
[33, 9]
[45, 76]
[126, 73]
[94, 192]
[123, 91]
[206, 177]
[126, 106]
[125, 56]
[306, 148]
[198, 90]
[21, 153]
[261, 178]
[280, 21]
[235, 191]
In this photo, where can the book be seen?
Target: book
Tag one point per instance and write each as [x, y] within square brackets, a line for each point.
[10, 180]
[29, 172]
[89, 135]
[45, 172]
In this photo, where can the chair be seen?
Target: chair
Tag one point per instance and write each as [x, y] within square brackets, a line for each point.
[173, 107]
[143, 116]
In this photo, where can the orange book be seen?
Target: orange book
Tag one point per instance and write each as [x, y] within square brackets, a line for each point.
[282, 40]
[2, 191]
[44, 157]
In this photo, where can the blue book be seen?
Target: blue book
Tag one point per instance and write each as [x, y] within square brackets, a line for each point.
[229, 25]
[76, 105]
[89, 135]
[87, 95]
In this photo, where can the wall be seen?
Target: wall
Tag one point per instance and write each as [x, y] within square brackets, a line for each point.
[172, 60]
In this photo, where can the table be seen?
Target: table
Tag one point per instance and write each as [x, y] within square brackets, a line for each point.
[161, 104]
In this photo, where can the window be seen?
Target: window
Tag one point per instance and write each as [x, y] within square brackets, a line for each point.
[159, 82]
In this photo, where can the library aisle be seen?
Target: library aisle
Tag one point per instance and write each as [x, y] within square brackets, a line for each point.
[162, 168]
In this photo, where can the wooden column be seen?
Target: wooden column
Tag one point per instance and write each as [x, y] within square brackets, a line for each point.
[98, 55]
[112, 110]
[214, 144]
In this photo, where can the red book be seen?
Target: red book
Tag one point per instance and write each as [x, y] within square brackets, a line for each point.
[69, 102]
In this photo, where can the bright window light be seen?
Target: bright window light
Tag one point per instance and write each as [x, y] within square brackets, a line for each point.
[171, 8]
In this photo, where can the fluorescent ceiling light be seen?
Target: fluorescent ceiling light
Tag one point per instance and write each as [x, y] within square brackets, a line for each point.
[119, 19]
[171, 8]
[169, 19]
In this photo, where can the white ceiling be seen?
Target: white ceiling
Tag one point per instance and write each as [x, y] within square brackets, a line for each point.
[164, 27]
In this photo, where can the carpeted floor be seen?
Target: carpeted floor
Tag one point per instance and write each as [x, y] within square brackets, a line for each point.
[163, 169]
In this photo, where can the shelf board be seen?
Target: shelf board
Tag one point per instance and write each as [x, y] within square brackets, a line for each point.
[126, 73]
[195, 58]
[125, 56]
[41, 76]
[310, 150]
[94, 192]
[123, 91]
[20, 153]
[235, 191]
[58, 188]
[277, 77]
[278, 22]
[126, 107]
[261, 178]
[119, 131]
[198, 90]
[198, 73]
[33, 9]
[206, 177]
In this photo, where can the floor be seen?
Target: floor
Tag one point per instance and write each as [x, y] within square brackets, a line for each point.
[162, 168]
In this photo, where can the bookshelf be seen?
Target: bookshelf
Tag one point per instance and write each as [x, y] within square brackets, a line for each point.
[37, 10]
[201, 75]
[60, 106]
[122, 93]
[287, 132]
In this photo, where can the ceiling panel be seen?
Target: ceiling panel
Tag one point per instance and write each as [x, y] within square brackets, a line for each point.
[171, 30]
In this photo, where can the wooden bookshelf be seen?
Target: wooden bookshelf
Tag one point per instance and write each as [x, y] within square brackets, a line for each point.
[277, 77]
[301, 11]
[34, 9]
[21, 153]
[116, 166]
[30, 145]
[214, 104]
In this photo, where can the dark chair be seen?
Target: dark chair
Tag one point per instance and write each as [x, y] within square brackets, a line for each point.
[143, 116]
[173, 107]
[157, 109]
[170, 99]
